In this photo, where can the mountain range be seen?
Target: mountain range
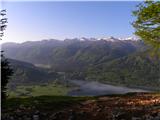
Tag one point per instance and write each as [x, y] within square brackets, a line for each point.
[122, 61]
[71, 52]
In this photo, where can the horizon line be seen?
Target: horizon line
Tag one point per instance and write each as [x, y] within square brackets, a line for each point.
[72, 38]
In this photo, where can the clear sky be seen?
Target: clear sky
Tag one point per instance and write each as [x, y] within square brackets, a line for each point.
[29, 21]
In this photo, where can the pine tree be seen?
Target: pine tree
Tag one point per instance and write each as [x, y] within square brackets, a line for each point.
[6, 73]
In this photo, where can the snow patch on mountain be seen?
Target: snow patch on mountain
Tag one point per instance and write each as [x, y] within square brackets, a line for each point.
[111, 39]
[133, 38]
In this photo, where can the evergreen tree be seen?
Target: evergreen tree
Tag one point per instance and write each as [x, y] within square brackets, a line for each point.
[6, 73]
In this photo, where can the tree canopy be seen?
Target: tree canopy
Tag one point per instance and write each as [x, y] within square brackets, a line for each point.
[147, 23]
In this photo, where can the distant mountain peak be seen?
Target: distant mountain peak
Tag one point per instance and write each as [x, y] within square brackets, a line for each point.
[133, 38]
[83, 39]
[110, 38]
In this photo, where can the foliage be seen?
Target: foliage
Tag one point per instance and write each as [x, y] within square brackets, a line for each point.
[147, 23]
[6, 73]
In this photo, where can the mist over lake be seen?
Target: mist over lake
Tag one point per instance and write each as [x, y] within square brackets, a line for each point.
[93, 88]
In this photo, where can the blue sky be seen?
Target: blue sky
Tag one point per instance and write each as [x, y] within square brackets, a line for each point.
[31, 21]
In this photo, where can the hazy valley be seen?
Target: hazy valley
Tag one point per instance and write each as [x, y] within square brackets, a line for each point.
[108, 60]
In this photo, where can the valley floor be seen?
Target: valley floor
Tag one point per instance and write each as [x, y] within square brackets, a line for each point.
[131, 106]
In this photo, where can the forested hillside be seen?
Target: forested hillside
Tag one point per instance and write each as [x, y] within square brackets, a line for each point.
[72, 54]
[133, 70]
[28, 74]
[114, 61]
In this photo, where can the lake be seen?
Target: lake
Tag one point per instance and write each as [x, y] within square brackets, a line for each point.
[92, 88]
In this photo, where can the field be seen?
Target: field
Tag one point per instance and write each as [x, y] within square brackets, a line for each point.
[39, 90]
